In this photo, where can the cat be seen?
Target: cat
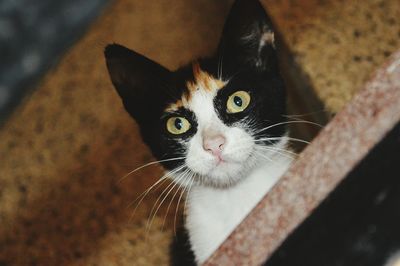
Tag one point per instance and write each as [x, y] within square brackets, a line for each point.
[217, 125]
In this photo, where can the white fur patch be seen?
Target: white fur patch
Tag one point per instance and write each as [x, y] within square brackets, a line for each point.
[213, 213]
[268, 38]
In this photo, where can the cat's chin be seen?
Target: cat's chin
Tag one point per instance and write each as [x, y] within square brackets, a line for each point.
[225, 174]
[217, 174]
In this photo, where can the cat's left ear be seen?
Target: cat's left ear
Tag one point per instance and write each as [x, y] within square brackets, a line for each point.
[138, 80]
[248, 37]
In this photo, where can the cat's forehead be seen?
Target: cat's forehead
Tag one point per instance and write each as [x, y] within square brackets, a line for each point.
[202, 83]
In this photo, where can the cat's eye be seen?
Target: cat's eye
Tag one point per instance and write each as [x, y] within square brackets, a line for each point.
[238, 102]
[178, 125]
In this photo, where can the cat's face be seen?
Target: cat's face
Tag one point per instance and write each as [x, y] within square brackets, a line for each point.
[217, 116]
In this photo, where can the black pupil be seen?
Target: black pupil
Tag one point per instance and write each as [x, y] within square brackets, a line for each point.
[178, 123]
[238, 101]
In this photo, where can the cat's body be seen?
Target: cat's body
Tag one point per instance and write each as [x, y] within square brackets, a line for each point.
[217, 125]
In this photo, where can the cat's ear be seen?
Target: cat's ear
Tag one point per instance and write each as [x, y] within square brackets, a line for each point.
[138, 80]
[248, 37]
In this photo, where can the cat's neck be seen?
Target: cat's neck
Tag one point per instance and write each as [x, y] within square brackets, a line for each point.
[213, 213]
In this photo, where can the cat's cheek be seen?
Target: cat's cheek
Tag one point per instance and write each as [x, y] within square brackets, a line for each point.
[200, 164]
[240, 145]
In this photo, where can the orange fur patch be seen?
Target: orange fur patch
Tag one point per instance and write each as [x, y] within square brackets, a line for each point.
[174, 106]
[202, 80]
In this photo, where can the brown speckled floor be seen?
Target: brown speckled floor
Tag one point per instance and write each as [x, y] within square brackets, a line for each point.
[64, 149]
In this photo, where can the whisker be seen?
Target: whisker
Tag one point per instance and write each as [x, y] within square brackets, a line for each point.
[306, 114]
[221, 64]
[306, 121]
[191, 179]
[143, 195]
[190, 187]
[152, 216]
[279, 138]
[218, 68]
[269, 158]
[164, 177]
[287, 122]
[265, 156]
[273, 148]
[164, 192]
[159, 182]
[148, 164]
[169, 205]
[182, 188]
[281, 152]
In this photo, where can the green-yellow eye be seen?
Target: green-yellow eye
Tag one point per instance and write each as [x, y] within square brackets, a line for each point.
[177, 125]
[238, 102]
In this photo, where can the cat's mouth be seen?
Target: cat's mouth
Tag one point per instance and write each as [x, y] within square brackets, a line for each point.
[223, 171]
[221, 162]
[225, 162]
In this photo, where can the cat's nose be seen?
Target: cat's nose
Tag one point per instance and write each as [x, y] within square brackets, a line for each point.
[214, 144]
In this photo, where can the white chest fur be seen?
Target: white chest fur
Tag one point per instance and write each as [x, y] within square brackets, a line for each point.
[212, 213]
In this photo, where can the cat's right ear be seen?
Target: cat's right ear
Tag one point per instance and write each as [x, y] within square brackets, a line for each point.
[138, 80]
[248, 38]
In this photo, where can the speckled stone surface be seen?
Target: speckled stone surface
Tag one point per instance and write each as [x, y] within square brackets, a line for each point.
[337, 43]
[320, 167]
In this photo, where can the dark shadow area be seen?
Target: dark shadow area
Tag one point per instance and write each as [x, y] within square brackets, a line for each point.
[358, 224]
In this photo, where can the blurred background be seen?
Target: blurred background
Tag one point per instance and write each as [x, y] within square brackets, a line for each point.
[33, 36]
[65, 140]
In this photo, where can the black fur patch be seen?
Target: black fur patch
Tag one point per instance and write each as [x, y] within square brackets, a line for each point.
[181, 254]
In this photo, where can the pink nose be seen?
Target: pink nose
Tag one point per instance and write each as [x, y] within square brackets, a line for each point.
[214, 144]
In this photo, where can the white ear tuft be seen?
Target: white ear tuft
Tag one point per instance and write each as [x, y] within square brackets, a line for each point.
[394, 260]
[268, 38]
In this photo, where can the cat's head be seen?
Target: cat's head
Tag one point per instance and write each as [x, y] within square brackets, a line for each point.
[220, 115]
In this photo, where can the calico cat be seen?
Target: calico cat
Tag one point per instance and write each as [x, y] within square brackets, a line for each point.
[216, 124]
